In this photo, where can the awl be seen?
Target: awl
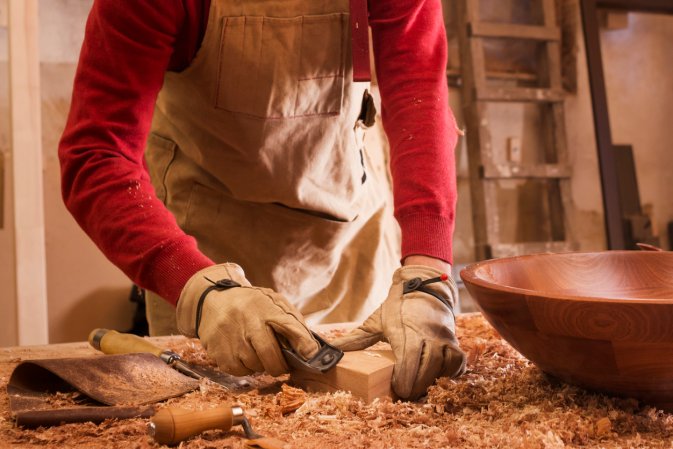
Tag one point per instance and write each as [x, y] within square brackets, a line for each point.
[113, 342]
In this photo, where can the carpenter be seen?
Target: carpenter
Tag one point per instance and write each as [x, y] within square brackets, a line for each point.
[220, 153]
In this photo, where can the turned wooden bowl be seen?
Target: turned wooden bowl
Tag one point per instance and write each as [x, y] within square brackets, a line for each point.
[603, 321]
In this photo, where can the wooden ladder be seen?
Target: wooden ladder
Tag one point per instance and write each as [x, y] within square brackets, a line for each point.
[487, 166]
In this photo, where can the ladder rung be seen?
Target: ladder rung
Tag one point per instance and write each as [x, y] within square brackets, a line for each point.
[510, 170]
[525, 77]
[520, 94]
[514, 31]
[517, 249]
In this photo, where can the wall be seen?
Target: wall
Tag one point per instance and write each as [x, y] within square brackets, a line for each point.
[84, 290]
[637, 64]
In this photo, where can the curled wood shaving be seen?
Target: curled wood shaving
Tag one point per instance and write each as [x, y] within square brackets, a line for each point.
[603, 427]
[290, 399]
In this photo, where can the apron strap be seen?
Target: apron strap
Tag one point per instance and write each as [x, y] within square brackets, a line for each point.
[360, 40]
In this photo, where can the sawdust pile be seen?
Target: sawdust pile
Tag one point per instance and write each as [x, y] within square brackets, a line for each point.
[503, 401]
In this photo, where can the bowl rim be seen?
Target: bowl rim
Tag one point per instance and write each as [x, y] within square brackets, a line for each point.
[468, 275]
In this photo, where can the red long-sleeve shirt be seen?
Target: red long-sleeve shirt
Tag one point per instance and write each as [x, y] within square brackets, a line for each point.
[126, 51]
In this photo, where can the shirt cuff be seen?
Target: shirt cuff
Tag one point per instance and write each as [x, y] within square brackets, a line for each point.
[174, 268]
[427, 235]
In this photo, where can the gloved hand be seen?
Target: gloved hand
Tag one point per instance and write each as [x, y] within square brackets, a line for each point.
[419, 327]
[237, 323]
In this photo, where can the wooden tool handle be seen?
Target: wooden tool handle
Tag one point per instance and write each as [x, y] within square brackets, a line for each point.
[171, 425]
[113, 342]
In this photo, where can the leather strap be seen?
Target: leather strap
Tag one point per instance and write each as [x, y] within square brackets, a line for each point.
[222, 284]
[360, 40]
[417, 284]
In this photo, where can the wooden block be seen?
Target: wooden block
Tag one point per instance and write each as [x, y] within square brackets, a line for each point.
[366, 374]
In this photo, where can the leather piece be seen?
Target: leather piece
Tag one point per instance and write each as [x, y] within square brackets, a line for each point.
[124, 381]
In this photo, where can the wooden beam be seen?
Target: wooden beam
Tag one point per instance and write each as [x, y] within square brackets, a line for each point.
[493, 170]
[514, 31]
[606, 158]
[521, 94]
[2, 189]
[478, 137]
[26, 156]
[366, 374]
[651, 6]
[454, 77]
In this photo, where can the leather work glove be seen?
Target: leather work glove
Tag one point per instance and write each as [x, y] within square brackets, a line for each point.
[420, 327]
[238, 323]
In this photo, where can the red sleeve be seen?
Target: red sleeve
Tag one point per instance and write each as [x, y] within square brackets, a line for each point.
[410, 51]
[126, 51]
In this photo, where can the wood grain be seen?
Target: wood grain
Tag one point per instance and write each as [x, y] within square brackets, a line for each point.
[366, 374]
[172, 425]
[600, 320]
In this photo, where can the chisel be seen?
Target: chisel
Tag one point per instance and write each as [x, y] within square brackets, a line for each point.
[171, 425]
[113, 342]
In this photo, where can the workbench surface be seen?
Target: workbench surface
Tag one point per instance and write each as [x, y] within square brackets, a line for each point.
[502, 401]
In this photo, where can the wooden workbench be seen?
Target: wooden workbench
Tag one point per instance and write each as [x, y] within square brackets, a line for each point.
[502, 401]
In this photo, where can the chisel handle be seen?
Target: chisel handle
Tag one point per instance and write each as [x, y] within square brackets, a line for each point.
[113, 342]
[170, 425]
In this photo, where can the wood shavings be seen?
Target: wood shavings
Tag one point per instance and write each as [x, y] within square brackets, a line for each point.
[290, 399]
[603, 427]
[66, 399]
[502, 401]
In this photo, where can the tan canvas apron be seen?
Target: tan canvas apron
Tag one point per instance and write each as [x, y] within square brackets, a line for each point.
[254, 150]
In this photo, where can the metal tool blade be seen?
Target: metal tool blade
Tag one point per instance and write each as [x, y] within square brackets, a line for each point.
[204, 372]
[324, 360]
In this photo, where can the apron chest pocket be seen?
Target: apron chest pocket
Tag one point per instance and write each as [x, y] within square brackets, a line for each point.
[282, 67]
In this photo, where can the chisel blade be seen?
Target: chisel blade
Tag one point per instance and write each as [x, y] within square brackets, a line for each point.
[237, 383]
